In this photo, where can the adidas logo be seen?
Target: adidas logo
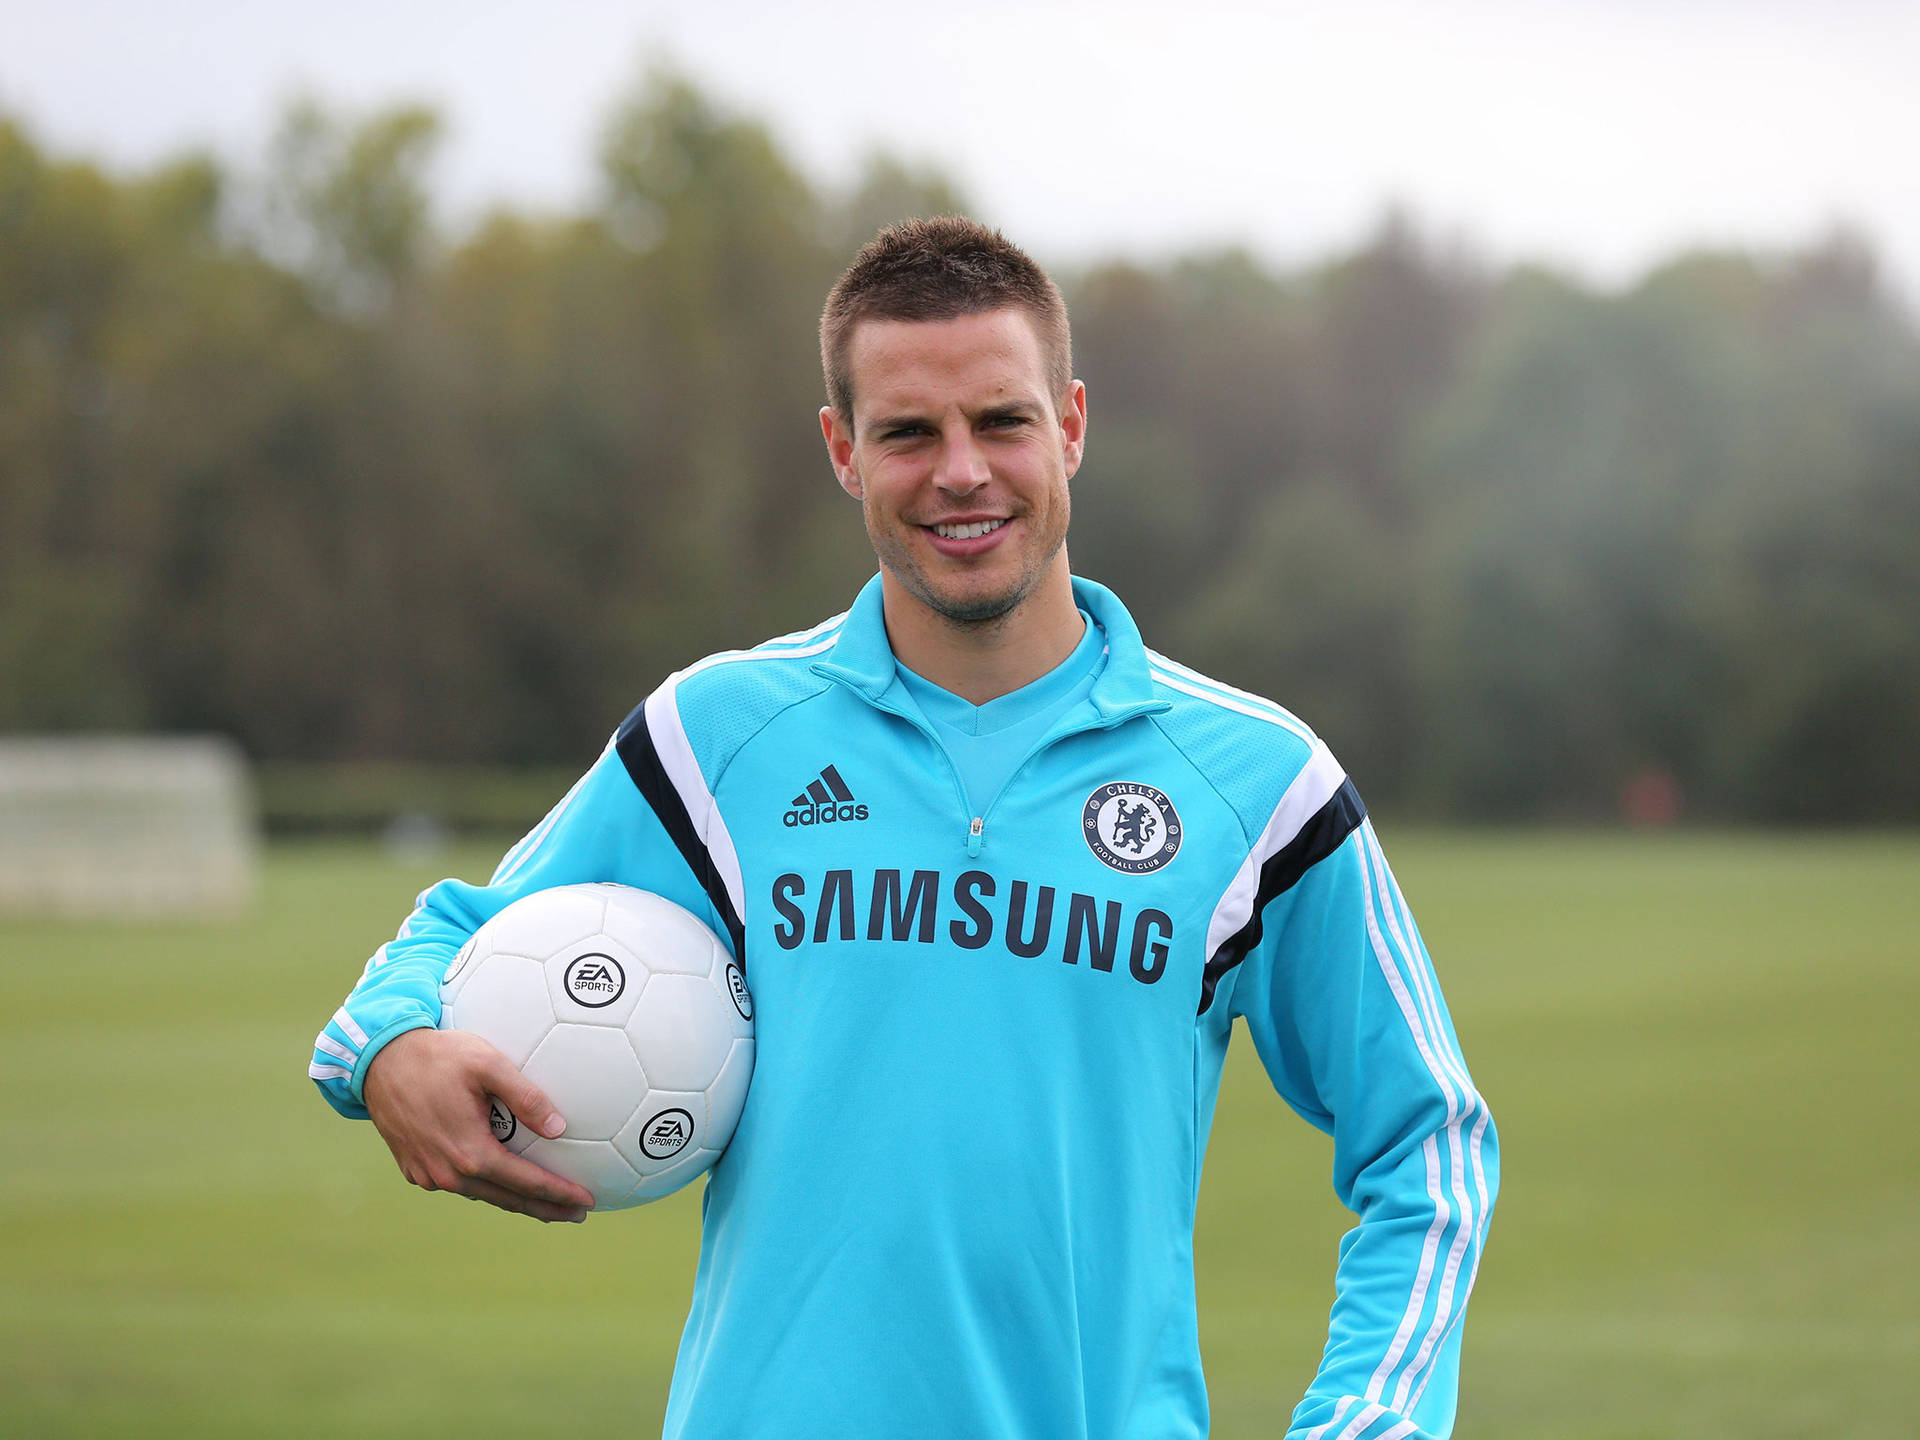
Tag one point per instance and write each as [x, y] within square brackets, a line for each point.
[825, 801]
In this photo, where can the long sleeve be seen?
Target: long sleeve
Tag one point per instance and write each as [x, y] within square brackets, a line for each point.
[607, 828]
[1346, 1013]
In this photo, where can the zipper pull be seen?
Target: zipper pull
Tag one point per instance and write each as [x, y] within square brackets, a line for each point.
[976, 836]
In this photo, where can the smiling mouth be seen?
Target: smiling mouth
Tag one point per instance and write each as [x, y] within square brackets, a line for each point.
[971, 531]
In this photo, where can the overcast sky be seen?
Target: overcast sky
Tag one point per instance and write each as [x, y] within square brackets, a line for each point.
[1598, 136]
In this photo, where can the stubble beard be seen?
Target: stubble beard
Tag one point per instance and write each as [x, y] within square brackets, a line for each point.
[974, 612]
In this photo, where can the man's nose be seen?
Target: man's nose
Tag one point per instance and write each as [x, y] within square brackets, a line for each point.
[963, 464]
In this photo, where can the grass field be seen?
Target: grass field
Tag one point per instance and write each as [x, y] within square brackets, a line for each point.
[1700, 1052]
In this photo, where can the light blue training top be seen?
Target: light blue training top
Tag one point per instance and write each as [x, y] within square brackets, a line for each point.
[988, 1039]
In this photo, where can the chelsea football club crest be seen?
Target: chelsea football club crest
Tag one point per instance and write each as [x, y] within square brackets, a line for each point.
[1133, 828]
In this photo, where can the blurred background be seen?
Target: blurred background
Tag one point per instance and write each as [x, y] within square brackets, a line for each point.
[1527, 395]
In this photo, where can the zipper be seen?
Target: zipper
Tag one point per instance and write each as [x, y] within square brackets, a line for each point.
[976, 828]
[977, 837]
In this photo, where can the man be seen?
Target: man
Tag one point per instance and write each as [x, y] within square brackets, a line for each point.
[992, 999]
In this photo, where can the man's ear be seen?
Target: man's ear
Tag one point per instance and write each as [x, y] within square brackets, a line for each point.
[1073, 426]
[838, 434]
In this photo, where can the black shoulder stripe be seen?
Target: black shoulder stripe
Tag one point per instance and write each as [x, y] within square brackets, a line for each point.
[635, 744]
[1323, 834]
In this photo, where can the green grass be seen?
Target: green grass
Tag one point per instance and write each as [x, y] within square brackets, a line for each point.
[1699, 1051]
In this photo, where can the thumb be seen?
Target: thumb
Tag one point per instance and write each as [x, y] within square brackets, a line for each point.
[526, 1099]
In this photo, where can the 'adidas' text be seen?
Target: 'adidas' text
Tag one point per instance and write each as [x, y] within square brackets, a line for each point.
[825, 801]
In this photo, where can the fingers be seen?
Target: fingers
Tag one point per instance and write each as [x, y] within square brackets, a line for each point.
[526, 1099]
[546, 1211]
[508, 1171]
[489, 1171]
[432, 1112]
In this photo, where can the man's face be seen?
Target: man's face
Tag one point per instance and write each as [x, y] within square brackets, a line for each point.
[959, 454]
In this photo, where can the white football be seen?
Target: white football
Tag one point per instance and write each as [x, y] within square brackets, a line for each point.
[633, 1018]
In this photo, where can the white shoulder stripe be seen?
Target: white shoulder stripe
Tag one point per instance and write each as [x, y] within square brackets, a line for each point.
[1279, 713]
[799, 637]
[1316, 784]
[675, 750]
[816, 646]
[1240, 707]
[328, 1072]
[822, 638]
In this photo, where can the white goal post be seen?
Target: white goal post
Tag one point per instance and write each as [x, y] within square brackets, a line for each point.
[125, 827]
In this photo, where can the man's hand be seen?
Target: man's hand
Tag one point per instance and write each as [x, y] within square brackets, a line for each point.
[427, 1093]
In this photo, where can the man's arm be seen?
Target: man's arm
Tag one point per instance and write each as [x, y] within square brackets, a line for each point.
[381, 1057]
[1346, 1013]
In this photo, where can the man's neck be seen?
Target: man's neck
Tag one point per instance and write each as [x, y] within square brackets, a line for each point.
[983, 660]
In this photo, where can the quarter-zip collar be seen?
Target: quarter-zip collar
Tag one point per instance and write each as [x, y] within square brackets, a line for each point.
[862, 660]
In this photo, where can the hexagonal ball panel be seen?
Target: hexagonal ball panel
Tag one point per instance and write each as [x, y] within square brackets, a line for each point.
[669, 1127]
[590, 1074]
[668, 939]
[502, 998]
[592, 1163]
[536, 925]
[595, 981]
[671, 1177]
[727, 1096]
[681, 1032]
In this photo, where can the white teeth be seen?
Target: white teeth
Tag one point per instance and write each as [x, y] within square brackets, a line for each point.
[968, 532]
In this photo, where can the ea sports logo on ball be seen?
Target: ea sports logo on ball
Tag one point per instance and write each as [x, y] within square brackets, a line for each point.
[619, 1006]
[737, 988]
[594, 980]
[459, 963]
[667, 1134]
[500, 1120]
[1133, 828]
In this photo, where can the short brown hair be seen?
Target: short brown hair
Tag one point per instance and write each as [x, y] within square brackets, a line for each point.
[940, 269]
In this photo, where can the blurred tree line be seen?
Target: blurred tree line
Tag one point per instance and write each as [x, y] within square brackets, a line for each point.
[278, 459]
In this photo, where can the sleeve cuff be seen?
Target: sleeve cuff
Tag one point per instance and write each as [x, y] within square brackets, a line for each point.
[377, 1042]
